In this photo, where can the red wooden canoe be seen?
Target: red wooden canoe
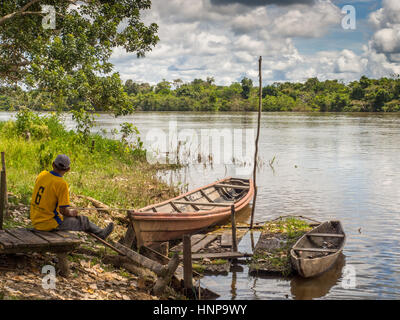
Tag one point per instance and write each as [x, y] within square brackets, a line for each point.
[191, 212]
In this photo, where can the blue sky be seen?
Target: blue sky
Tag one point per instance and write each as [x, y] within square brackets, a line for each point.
[297, 39]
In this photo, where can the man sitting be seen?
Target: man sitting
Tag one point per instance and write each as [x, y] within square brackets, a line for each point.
[50, 205]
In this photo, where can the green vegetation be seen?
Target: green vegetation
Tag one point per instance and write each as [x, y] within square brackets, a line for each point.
[113, 172]
[276, 259]
[67, 65]
[218, 261]
[365, 95]
[199, 268]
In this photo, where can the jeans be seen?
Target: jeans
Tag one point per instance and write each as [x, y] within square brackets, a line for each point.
[79, 223]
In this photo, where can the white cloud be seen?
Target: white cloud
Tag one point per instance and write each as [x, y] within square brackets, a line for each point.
[306, 21]
[200, 39]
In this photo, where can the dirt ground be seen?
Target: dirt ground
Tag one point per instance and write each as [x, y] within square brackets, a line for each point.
[21, 275]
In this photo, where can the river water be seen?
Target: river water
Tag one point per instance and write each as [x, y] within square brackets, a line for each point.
[323, 166]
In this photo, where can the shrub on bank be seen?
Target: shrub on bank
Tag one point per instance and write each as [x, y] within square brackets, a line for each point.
[111, 171]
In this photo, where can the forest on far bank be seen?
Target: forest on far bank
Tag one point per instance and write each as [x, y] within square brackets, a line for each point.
[365, 95]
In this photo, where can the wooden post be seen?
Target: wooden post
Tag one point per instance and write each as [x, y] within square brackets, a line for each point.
[2, 202]
[63, 264]
[233, 220]
[257, 137]
[162, 282]
[3, 168]
[164, 248]
[92, 147]
[187, 264]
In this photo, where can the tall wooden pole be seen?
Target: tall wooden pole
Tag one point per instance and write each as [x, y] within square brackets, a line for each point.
[3, 168]
[2, 200]
[233, 220]
[257, 137]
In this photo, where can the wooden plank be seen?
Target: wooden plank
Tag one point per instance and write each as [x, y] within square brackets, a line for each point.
[156, 267]
[226, 239]
[244, 182]
[175, 207]
[205, 195]
[204, 204]
[107, 244]
[193, 204]
[52, 237]
[8, 241]
[316, 250]
[43, 248]
[204, 243]
[331, 235]
[195, 238]
[27, 237]
[233, 186]
[130, 235]
[153, 254]
[220, 255]
[68, 235]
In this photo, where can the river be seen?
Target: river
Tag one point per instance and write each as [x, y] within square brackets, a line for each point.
[323, 166]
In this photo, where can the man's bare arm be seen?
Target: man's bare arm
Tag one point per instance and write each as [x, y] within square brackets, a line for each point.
[68, 212]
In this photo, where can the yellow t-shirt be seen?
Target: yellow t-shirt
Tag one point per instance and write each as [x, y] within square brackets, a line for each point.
[49, 194]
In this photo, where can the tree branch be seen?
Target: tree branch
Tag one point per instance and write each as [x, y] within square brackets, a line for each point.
[21, 11]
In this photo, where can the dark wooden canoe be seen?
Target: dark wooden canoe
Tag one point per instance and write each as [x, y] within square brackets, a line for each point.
[317, 250]
[192, 211]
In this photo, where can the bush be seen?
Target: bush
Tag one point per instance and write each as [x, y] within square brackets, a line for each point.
[392, 106]
[27, 124]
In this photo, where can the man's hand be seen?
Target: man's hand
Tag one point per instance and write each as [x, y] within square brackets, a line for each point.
[68, 212]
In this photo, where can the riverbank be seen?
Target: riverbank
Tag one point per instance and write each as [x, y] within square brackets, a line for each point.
[365, 95]
[107, 170]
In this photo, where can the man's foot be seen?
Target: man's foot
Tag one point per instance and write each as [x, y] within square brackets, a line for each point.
[104, 233]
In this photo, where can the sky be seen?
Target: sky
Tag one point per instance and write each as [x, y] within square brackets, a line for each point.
[297, 39]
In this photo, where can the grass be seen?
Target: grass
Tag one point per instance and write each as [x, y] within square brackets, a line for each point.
[218, 261]
[288, 230]
[112, 172]
[198, 267]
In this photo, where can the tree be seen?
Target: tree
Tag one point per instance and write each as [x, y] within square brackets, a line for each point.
[247, 85]
[365, 82]
[131, 87]
[163, 87]
[270, 90]
[71, 62]
[340, 101]
[177, 83]
[357, 92]
[380, 97]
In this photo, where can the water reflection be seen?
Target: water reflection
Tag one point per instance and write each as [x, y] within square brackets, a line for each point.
[317, 287]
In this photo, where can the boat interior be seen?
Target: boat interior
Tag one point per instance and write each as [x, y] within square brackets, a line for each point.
[324, 240]
[211, 197]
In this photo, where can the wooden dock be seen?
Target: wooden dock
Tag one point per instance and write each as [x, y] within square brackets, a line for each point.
[212, 252]
[21, 240]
